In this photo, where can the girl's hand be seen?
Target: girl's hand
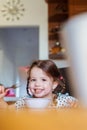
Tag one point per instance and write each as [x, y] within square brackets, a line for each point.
[3, 91]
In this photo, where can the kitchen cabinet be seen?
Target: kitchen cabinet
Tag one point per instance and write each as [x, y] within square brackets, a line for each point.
[58, 12]
[77, 6]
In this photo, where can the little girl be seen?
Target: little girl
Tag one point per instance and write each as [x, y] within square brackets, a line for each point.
[45, 81]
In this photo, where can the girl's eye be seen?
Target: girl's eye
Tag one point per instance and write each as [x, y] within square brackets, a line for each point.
[44, 80]
[32, 79]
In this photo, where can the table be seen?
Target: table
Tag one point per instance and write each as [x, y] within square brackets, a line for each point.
[43, 119]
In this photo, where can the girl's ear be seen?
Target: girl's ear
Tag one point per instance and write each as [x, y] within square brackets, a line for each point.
[55, 84]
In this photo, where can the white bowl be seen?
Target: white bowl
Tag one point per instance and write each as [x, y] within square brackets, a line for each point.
[37, 102]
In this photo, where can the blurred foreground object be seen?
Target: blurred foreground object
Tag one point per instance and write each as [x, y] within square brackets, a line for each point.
[74, 37]
[52, 119]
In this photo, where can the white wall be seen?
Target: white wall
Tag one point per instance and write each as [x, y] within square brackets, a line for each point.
[36, 14]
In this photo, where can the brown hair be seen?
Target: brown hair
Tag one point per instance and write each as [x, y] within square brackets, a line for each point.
[50, 68]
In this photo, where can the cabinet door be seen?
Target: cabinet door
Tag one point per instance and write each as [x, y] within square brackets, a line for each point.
[57, 14]
[77, 6]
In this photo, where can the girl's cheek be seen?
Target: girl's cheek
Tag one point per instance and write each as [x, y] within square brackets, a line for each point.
[31, 87]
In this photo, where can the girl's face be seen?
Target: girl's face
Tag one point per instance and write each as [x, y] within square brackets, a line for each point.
[40, 84]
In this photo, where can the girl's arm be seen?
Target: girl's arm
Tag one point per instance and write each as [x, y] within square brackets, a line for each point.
[19, 104]
[3, 92]
[3, 104]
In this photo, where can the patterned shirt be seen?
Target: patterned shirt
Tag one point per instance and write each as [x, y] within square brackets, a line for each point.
[62, 101]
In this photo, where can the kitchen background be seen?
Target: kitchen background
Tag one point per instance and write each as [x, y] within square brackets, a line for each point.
[24, 35]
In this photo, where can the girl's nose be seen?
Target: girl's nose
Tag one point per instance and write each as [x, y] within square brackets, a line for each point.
[38, 83]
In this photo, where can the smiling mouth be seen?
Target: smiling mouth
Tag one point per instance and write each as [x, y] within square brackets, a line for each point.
[37, 91]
